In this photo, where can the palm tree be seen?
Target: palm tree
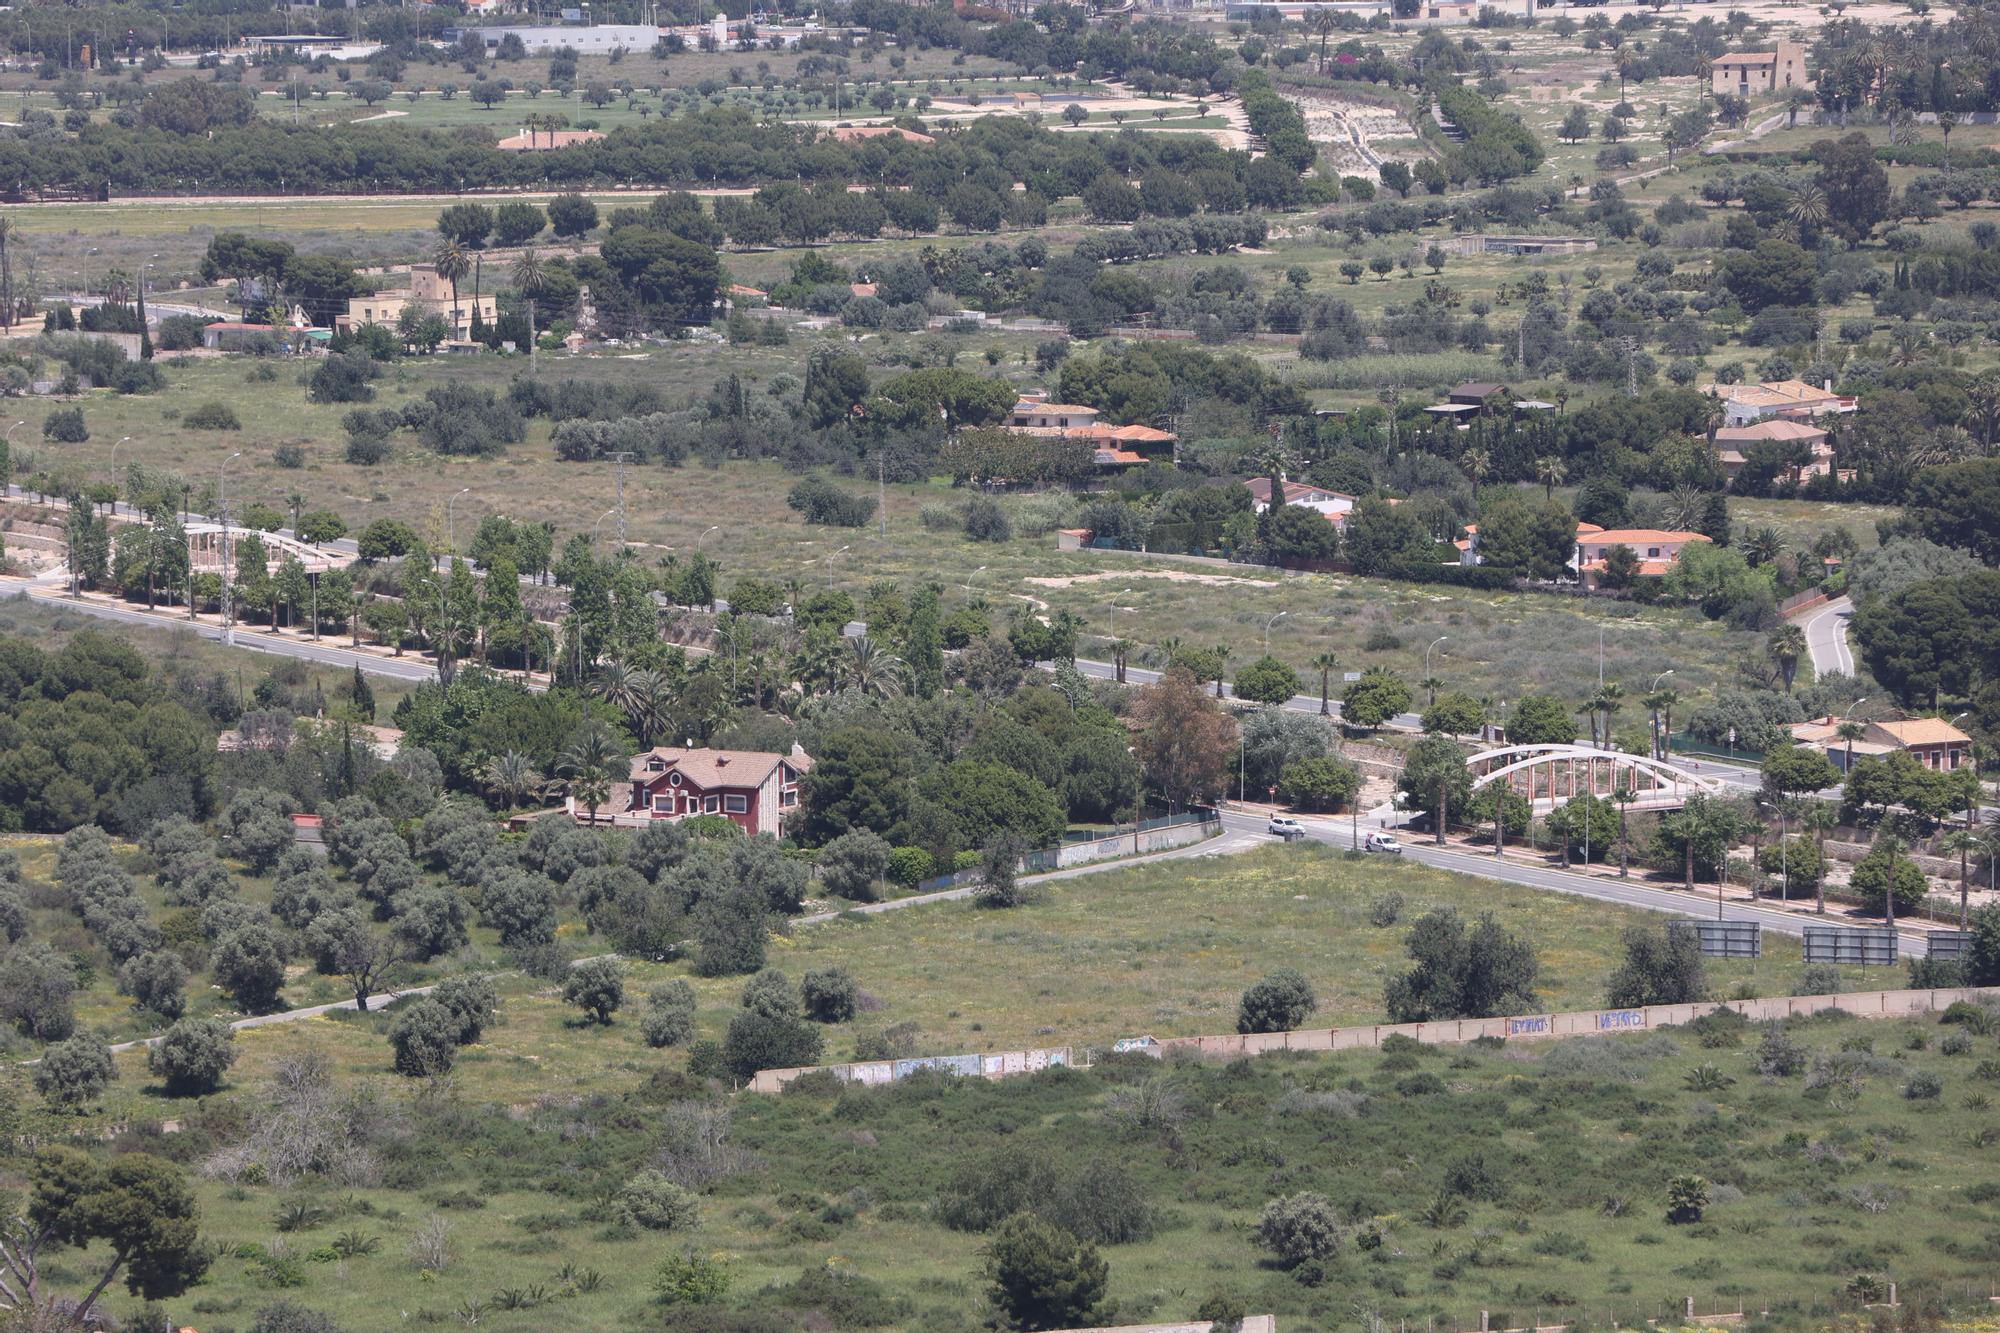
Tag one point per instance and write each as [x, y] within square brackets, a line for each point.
[1431, 684]
[531, 276]
[1323, 24]
[1550, 472]
[1167, 649]
[1656, 703]
[1763, 546]
[1221, 651]
[1965, 841]
[1476, 463]
[614, 683]
[1588, 710]
[452, 263]
[650, 697]
[510, 777]
[591, 759]
[1820, 816]
[1787, 645]
[6, 274]
[1807, 207]
[1624, 796]
[1850, 731]
[1326, 664]
[873, 671]
[1121, 649]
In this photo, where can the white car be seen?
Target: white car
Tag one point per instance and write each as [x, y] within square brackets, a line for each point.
[1284, 826]
[1383, 842]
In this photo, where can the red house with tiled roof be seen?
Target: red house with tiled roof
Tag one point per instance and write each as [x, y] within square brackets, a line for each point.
[756, 790]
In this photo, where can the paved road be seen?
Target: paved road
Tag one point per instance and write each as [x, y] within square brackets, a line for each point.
[326, 652]
[1826, 637]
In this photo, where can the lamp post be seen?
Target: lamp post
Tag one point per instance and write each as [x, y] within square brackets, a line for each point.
[222, 502]
[1659, 748]
[1267, 630]
[114, 469]
[596, 527]
[717, 527]
[967, 584]
[1427, 652]
[829, 566]
[1122, 592]
[450, 523]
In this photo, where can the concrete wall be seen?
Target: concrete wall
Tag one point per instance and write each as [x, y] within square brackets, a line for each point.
[1521, 1027]
[1127, 844]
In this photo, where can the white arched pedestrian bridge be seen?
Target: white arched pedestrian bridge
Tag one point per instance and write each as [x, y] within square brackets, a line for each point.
[1550, 775]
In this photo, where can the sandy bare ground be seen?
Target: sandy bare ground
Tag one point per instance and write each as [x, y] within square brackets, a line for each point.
[1171, 575]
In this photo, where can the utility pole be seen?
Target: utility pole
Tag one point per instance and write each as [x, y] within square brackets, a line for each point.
[881, 497]
[619, 472]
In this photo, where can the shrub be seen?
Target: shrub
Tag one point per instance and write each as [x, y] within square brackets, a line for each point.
[1385, 910]
[472, 1000]
[74, 1073]
[156, 981]
[1687, 1196]
[830, 995]
[670, 1014]
[1042, 1276]
[211, 416]
[770, 992]
[1820, 979]
[910, 866]
[596, 986]
[819, 501]
[689, 1279]
[758, 1040]
[425, 1039]
[853, 864]
[1975, 1018]
[1923, 1086]
[1300, 1227]
[65, 426]
[1278, 1003]
[249, 962]
[652, 1201]
[985, 521]
[1778, 1056]
[193, 1056]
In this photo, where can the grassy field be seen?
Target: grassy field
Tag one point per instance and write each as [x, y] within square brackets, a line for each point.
[1525, 1181]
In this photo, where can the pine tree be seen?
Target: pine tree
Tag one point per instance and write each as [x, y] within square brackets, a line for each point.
[364, 696]
[145, 338]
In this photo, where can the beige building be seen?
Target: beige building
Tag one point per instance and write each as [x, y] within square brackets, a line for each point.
[1756, 73]
[427, 288]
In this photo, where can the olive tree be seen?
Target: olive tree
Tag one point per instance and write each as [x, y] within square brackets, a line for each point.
[75, 1072]
[193, 1056]
[1278, 1003]
[596, 986]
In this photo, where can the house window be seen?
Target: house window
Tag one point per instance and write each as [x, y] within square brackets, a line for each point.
[788, 797]
[674, 778]
[714, 804]
[735, 805]
[664, 804]
[1652, 553]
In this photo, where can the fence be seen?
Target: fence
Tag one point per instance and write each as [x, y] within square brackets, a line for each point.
[1682, 743]
[1452, 1032]
[1803, 601]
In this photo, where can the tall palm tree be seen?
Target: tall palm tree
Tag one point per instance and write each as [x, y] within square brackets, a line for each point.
[1820, 816]
[510, 777]
[1550, 472]
[1656, 703]
[1807, 207]
[1476, 463]
[650, 697]
[1326, 664]
[1167, 649]
[589, 763]
[452, 263]
[1323, 24]
[871, 670]
[1588, 710]
[1850, 731]
[1624, 796]
[531, 276]
[1430, 683]
[1610, 697]
[1786, 647]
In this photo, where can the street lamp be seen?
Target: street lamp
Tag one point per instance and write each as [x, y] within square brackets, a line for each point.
[1267, 630]
[222, 502]
[1427, 652]
[596, 527]
[114, 468]
[704, 536]
[1122, 592]
[450, 523]
[967, 584]
[829, 565]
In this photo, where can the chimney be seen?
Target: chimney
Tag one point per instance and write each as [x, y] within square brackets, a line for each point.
[722, 761]
[1827, 385]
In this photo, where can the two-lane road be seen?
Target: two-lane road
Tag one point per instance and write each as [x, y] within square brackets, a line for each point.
[1826, 637]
